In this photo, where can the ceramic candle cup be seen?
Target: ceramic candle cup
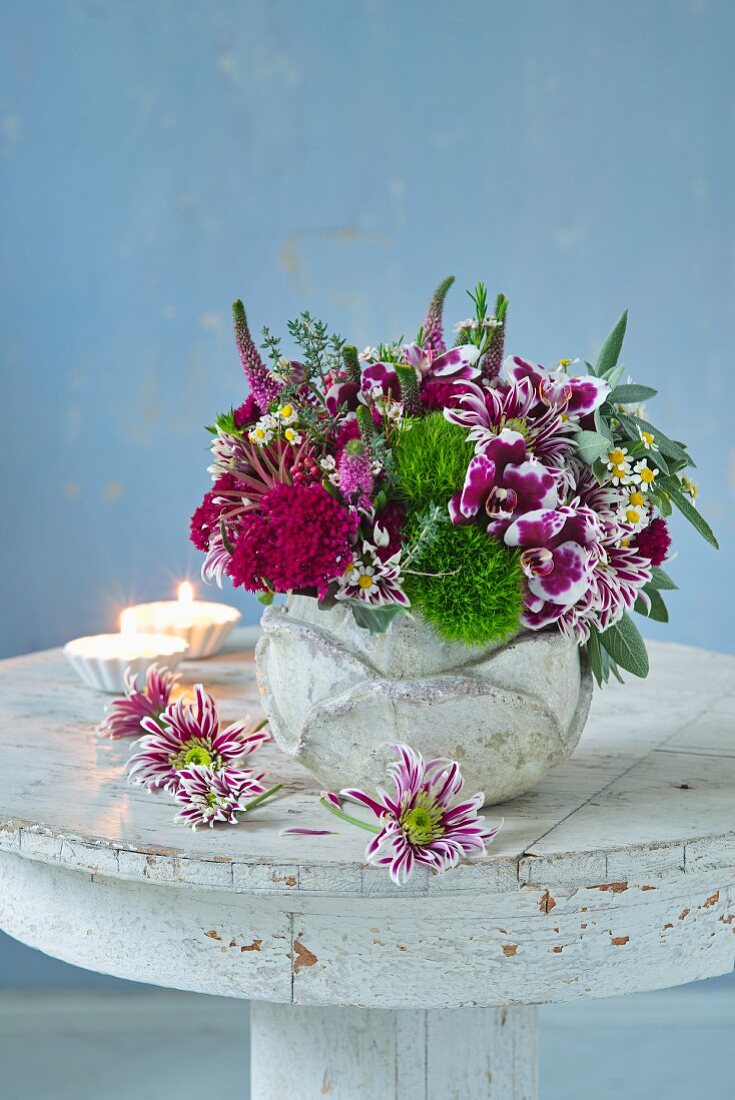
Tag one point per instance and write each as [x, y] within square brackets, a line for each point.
[100, 660]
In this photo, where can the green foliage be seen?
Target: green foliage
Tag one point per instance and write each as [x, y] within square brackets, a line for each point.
[321, 351]
[431, 459]
[610, 352]
[463, 581]
[661, 579]
[672, 487]
[467, 585]
[625, 645]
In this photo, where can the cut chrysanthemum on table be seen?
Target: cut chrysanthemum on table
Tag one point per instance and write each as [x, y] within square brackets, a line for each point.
[124, 716]
[424, 823]
[487, 494]
[207, 796]
[187, 734]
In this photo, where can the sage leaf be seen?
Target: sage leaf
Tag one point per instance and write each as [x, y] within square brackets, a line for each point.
[661, 579]
[631, 392]
[687, 509]
[595, 657]
[610, 351]
[591, 446]
[626, 646]
[657, 611]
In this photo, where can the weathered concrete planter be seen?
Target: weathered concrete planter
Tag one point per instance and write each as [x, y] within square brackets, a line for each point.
[337, 697]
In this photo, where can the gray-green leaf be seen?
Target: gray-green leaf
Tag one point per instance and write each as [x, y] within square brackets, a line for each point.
[591, 446]
[631, 392]
[657, 611]
[610, 351]
[626, 646]
[687, 509]
[661, 579]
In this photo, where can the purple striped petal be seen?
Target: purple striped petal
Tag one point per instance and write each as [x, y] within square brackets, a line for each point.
[587, 395]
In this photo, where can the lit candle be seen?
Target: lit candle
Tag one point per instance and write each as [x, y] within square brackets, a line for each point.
[205, 626]
[101, 659]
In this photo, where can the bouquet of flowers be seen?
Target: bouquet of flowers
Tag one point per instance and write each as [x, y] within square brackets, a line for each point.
[489, 494]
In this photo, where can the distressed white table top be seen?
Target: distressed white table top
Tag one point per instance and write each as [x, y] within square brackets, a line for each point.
[651, 789]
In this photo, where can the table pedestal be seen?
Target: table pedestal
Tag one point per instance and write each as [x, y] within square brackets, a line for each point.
[376, 1054]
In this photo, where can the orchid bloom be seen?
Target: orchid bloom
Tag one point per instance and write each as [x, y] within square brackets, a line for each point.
[455, 364]
[575, 396]
[424, 822]
[504, 481]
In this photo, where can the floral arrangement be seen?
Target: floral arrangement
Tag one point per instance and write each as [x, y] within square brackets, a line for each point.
[489, 494]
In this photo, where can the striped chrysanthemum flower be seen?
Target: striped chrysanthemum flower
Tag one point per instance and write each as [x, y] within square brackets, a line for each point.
[424, 822]
[125, 716]
[189, 734]
[208, 796]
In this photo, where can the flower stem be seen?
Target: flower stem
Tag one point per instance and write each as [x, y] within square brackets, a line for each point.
[347, 818]
[261, 797]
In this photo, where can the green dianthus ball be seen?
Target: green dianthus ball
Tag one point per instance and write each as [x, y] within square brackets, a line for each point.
[431, 459]
[465, 582]
[473, 594]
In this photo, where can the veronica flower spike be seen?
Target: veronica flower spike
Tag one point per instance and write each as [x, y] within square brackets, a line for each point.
[425, 822]
[188, 734]
[125, 715]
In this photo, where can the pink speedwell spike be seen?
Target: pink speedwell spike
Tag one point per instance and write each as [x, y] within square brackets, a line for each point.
[433, 331]
[265, 388]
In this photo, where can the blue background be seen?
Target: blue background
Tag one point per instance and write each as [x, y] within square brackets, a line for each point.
[159, 158]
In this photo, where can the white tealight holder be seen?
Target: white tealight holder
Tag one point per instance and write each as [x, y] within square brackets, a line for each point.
[204, 626]
[100, 660]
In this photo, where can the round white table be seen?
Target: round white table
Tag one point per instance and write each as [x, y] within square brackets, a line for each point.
[616, 874]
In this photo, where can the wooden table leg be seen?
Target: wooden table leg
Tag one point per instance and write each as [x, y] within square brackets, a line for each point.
[377, 1054]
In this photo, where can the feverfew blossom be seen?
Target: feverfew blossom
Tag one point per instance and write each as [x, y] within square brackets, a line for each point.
[424, 822]
[124, 716]
[187, 734]
[374, 580]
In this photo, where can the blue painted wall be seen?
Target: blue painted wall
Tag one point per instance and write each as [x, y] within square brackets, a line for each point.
[160, 157]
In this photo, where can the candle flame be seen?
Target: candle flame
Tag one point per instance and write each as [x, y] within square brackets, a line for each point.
[186, 592]
[128, 621]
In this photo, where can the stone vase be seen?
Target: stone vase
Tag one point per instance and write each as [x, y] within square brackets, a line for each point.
[337, 697]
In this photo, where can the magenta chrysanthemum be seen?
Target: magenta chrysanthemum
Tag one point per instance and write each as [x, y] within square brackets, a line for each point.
[301, 538]
[187, 734]
[124, 716]
[209, 796]
[424, 822]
